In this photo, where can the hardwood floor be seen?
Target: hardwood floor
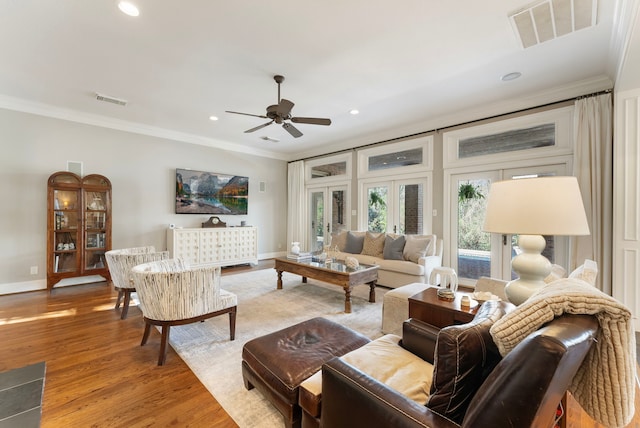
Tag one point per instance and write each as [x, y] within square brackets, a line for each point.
[97, 373]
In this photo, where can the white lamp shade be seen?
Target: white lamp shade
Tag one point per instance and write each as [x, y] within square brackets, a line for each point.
[536, 206]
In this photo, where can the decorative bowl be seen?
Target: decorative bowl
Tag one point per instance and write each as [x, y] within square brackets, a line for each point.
[351, 262]
[483, 296]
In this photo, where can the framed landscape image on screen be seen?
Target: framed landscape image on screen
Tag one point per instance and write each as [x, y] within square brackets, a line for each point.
[201, 192]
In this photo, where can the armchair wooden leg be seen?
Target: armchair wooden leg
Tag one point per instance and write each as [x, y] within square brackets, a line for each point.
[163, 344]
[119, 299]
[125, 305]
[145, 336]
[232, 322]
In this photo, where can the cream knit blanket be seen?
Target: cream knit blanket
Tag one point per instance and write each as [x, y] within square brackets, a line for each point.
[604, 385]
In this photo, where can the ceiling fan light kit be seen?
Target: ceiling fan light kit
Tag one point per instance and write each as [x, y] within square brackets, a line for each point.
[281, 112]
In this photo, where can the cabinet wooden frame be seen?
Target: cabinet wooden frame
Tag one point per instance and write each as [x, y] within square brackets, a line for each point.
[78, 226]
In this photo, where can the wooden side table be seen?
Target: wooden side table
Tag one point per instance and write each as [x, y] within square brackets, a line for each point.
[426, 306]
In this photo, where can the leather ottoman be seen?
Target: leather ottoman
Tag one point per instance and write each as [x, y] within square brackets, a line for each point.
[277, 363]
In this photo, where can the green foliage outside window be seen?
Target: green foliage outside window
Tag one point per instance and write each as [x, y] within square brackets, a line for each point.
[471, 208]
[377, 212]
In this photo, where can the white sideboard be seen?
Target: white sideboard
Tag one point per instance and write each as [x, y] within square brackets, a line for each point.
[223, 246]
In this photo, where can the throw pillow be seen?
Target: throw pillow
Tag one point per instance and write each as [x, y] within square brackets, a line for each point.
[354, 243]
[416, 247]
[557, 272]
[339, 239]
[465, 355]
[587, 272]
[373, 244]
[393, 248]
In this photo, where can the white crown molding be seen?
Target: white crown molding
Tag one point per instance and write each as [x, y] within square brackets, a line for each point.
[46, 110]
[625, 16]
[552, 95]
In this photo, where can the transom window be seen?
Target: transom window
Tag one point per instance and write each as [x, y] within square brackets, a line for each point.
[509, 141]
[396, 159]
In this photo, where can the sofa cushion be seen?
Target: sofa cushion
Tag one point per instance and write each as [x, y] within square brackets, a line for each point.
[339, 239]
[465, 355]
[384, 360]
[417, 246]
[393, 248]
[354, 243]
[373, 244]
[400, 266]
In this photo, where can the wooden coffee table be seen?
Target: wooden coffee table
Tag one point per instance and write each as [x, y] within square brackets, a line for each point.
[333, 273]
[427, 307]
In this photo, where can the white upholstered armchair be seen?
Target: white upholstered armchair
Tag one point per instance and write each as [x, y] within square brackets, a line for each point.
[121, 262]
[171, 293]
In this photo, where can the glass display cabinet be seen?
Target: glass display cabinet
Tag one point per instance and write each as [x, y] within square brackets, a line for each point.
[78, 226]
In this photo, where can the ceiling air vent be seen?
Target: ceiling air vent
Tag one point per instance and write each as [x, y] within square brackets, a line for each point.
[108, 99]
[545, 20]
[273, 140]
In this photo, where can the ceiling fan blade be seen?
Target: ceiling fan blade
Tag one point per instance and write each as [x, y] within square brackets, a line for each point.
[284, 108]
[247, 114]
[292, 130]
[311, 120]
[258, 127]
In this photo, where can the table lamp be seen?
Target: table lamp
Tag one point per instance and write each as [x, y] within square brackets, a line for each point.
[530, 208]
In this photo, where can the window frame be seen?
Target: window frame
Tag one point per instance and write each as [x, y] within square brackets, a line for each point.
[425, 143]
[562, 118]
[344, 157]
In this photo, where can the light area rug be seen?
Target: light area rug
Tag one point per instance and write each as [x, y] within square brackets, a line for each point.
[262, 309]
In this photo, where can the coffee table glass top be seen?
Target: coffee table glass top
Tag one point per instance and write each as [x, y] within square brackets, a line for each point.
[337, 266]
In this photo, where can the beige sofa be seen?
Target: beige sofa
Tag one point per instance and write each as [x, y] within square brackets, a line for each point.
[398, 263]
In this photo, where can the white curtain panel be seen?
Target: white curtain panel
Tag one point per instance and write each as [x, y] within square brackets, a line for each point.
[593, 167]
[296, 207]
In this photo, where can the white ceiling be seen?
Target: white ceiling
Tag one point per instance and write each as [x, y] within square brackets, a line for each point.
[408, 66]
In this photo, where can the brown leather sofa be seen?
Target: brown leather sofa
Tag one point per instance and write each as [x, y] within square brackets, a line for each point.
[522, 390]
[439, 368]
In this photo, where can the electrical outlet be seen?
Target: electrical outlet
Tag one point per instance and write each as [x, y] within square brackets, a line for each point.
[34, 270]
[280, 246]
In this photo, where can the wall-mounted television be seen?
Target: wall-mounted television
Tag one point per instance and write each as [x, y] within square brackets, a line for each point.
[201, 192]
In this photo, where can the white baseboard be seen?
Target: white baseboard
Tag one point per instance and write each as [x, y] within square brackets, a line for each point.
[265, 256]
[41, 284]
[23, 287]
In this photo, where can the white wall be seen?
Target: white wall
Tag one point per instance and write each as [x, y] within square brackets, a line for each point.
[142, 173]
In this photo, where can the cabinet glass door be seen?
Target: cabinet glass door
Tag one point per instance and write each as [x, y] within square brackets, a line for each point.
[65, 230]
[95, 222]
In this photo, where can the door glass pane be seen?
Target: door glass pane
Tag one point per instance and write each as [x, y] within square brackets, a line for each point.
[317, 221]
[338, 210]
[378, 208]
[474, 245]
[410, 203]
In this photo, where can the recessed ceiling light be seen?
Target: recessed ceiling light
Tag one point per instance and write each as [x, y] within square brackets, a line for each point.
[128, 8]
[354, 111]
[213, 118]
[511, 76]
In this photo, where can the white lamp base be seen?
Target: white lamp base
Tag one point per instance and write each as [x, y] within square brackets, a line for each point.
[531, 266]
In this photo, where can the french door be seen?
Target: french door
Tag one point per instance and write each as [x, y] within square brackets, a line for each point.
[474, 253]
[329, 209]
[396, 206]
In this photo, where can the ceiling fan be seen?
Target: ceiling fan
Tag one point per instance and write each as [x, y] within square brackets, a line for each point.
[281, 112]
